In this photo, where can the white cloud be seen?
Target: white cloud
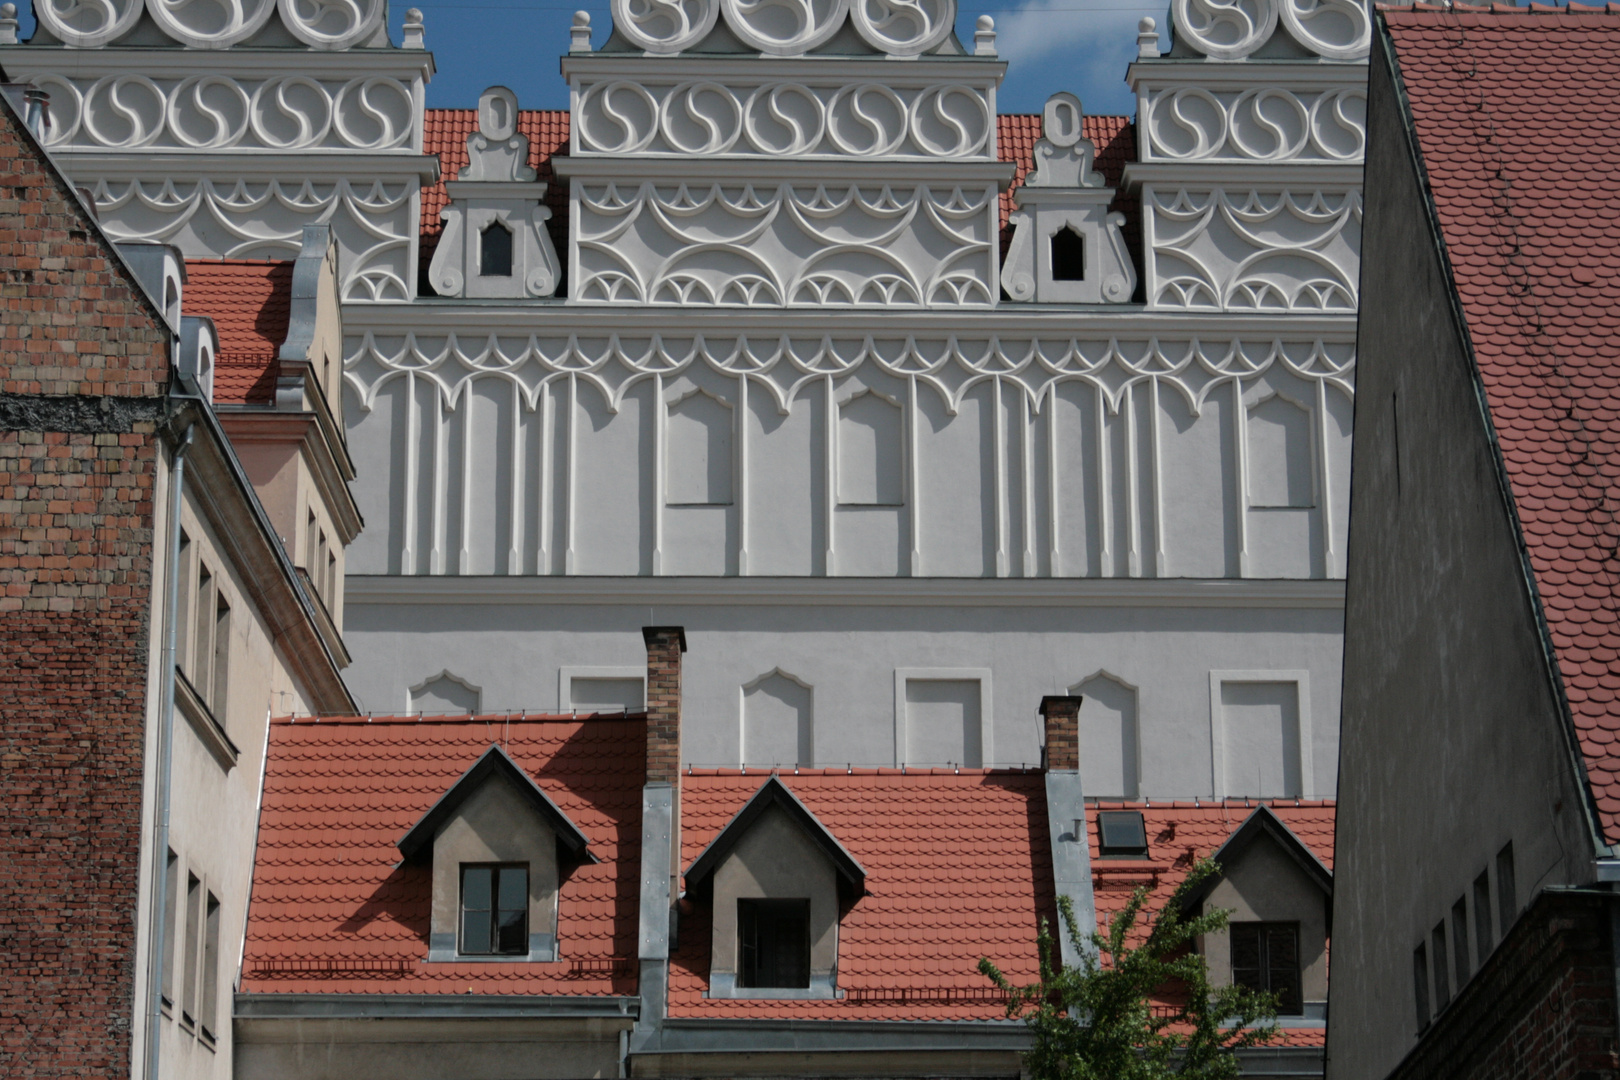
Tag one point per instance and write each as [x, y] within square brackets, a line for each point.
[1082, 46]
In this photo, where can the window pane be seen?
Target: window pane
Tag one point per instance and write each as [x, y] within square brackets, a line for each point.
[475, 931]
[514, 891]
[475, 888]
[1246, 966]
[1282, 968]
[513, 932]
[774, 936]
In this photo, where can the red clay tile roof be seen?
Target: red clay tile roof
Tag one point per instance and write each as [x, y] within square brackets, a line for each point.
[445, 133]
[958, 866]
[250, 301]
[1181, 833]
[332, 910]
[1534, 243]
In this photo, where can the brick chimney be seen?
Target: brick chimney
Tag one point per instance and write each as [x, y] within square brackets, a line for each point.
[1062, 750]
[665, 644]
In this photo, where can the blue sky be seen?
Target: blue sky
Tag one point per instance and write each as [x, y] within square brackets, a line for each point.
[1077, 45]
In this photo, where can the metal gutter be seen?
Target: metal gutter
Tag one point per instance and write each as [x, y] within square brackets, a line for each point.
[695, 1036]
[431, 1006]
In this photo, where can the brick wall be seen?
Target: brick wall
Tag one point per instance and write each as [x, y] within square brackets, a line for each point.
[1062, 750]
[664, 647]
[1542, 1007]
[76, 505]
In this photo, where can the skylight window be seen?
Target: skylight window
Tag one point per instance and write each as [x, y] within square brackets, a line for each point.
[1122, 833]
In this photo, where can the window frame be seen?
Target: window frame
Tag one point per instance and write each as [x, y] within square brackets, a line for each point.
[1263, 930]
[495, 952]
[749, 971]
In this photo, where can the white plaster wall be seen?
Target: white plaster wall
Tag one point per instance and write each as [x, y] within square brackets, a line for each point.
[512, 642]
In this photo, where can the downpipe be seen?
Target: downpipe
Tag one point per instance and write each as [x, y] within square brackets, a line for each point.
[160, 843]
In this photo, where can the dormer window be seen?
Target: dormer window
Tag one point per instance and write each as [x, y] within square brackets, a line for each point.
[499, 848]
[1068, 255]
[495, 251]
[1265, 957]
[778, 882]
[495, 910]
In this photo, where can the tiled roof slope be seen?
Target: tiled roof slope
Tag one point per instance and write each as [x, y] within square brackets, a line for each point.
[332, 910]
[250, 301]
[1534, 243]
[958, 866]
[1181, 833]
[445, 133]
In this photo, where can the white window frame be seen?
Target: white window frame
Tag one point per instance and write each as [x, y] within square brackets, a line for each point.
[987, 712]
[567, 675]
[1217, 723]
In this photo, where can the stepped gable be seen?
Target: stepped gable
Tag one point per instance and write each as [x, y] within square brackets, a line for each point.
[250, 301]
[1533, 239]
[334, 911]
[1181, 833]
[445, 133]
[968, 849]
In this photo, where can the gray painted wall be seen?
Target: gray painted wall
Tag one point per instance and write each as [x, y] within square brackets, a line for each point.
[1451, 739]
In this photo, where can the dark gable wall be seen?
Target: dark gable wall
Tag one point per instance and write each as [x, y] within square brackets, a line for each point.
[1450, 740]
[83, 363]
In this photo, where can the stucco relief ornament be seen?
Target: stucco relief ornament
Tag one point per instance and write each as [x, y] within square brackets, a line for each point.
[903, 27]
[332, 24]
[210, 24]
[785, 27]
[665, 26]
[1225, 29]
[1334, 29]
[88, 24]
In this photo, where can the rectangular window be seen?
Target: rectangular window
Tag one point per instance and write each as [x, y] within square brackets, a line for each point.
[1482, 916]
[182, 615]
[188, 975]
[1459, 939]
[1265, 957]
[203, 639]
[1420, 985]
[495, 910]
[171, 904]
[1442, 967]
[1507, 899]
[1122, 832]
[220, 677]
[774, 942]
[206, 1008]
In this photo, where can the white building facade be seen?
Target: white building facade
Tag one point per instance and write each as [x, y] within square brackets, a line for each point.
[784, 386]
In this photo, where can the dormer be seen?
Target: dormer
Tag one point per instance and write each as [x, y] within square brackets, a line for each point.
[1281, 898]
[778, 882]
[499, 848]
[162, 273]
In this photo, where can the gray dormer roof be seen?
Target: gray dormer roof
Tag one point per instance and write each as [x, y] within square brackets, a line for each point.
[416, 843]
[773, 792]
[1262, 822]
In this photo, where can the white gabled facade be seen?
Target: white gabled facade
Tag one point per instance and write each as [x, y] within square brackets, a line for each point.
[793, 399]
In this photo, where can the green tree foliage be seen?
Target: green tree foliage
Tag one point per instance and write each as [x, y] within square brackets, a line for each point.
[1097, 1022]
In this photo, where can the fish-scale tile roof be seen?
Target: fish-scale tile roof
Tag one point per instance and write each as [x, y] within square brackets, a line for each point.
[1181, 833]
[958, 866]
[1533, 239]
[250, 301]
[332, 909]
[445, 133]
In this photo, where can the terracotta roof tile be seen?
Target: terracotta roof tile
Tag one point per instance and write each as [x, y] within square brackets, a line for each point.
[250, 302]
[332, 910]
[1534, 240]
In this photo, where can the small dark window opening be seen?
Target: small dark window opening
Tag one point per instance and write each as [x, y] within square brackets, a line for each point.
[1420, 985]
[1068, 255]
[1265, 957]
[495, 910]
[1482, 916]
[495, 251]
[1507, 897]
[1442, 966]
[1459, 940]
[1122, 832]
[774, 939]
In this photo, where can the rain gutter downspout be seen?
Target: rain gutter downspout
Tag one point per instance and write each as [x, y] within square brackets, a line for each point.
[160, 843]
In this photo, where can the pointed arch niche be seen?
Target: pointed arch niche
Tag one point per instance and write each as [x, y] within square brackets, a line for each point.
[444, 694]
[1110, 738]
[871, 465]
[698, 465]
[1282, 468]
[777, 720]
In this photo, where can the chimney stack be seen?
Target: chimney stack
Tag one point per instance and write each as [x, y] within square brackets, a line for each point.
[665, 644]
[1062, 750]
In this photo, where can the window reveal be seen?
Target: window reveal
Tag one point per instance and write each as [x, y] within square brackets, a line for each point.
[1068, 255]
[495, 910]
[1265, 957]
[773, 938]
[495, 251]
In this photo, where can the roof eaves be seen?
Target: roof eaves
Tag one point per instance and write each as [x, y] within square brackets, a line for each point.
[1459, 316]
[775, 793]
[494, 761]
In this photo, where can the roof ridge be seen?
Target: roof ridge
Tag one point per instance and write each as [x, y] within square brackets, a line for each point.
[1457, 7]
[457, 718]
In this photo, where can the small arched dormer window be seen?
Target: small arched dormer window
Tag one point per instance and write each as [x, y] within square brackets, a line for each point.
[1068, 255]
[495, 251]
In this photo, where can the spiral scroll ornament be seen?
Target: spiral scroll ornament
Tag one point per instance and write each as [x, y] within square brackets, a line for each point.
[1225, 29]
[88, 24]
[1333, 29]
[665, 26]
[903, 27]
[785, 27]
[331, 24]
[210, 24]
